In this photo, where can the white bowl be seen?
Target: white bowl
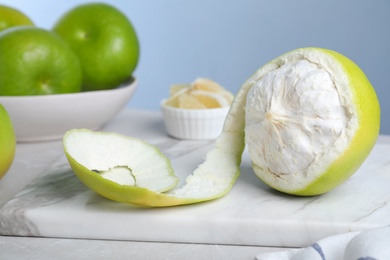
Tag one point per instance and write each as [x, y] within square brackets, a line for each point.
[48, 117]
[193, 124]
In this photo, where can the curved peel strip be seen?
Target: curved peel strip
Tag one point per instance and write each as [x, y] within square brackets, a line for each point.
[211, 180]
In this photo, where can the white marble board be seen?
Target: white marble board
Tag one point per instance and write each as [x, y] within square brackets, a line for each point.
[57, 204]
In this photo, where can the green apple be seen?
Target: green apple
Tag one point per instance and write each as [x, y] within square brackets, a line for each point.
[105, 42]
[7, 142]
[10, 17]
[35, 61]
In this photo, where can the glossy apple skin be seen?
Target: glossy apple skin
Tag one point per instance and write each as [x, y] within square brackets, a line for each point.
[7, 142]
[35, 61]
[104, 40]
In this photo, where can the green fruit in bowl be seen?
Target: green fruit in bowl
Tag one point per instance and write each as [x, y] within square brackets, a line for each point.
[105, 42]
[10, 17]
[7, 142]
[36, 61]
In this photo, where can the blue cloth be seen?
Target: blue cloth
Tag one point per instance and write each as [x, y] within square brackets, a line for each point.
[372, 244]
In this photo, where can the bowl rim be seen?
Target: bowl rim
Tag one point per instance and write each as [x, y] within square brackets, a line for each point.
[131, 82]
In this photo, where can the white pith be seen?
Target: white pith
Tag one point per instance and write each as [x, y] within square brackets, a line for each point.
[126, 161]
[121, 175]
[216, 175]
[299, 118]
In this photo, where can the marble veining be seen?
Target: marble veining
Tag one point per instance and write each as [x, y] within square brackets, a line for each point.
[174, 148]
[60, 184]
[57, 204]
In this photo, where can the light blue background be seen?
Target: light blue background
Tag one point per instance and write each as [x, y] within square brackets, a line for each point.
[227, 40]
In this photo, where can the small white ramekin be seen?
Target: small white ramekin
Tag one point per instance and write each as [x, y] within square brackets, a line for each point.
[193, 124]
